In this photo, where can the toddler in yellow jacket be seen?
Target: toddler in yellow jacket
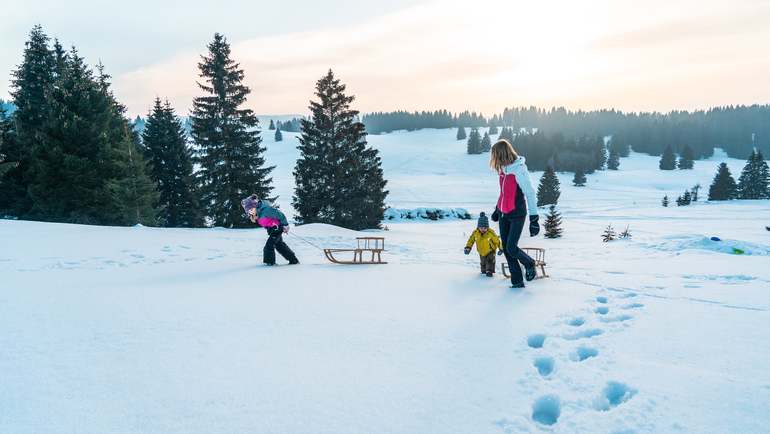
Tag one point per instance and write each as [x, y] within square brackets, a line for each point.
[487, 242]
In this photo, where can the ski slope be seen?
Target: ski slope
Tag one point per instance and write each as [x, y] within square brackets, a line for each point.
[147, 330]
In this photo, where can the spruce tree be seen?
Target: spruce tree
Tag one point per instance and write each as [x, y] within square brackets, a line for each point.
[668, 159]
[552, 223]
[461, 133]
[548, 191]
[686, 160]
[30, 86]
[272, 125]
[600, 153]
[7, 136]
[338, 178]
[613, 162]
[723, 187]
[231, 158]
[664, 202]
[171, 167]
[580, 178]
[754, 179]
[278, 135]
[486, 143]
[474, 142]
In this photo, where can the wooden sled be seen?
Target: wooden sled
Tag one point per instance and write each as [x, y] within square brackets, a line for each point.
[373, 245]
[537, 254]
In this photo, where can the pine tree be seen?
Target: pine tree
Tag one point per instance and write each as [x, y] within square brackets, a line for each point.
[171, 167]
[493, 129]
[272, 125]
[231, 158]
[7, 136]
[755, 178]
[486, 143]
[609, 234]
[338, 178]
[668, 159]
[723, 187]
[548, 191]
[686, 160]
[600, 153]
[664, 202]
[553, 223]
[614, 160]
[461, 133]
[684, 199]
[86, 164]
[580, 178]
[278, 135]
[474, 142]
[626, 234]
[30, 86]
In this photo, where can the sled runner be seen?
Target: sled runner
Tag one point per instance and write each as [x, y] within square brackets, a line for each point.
[537, 254]
[373, 245]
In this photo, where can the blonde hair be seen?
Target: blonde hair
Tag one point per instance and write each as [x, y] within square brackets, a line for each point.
[501, 155]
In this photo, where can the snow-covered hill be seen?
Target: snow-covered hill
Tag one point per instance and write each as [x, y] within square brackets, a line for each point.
[146, 330]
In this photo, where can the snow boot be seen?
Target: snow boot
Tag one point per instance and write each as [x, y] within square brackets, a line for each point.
[530, 272]
[517, 285]
[490, 274]
[294, 261]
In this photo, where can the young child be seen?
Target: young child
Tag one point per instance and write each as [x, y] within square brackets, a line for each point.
[275, 222]
[487, 242]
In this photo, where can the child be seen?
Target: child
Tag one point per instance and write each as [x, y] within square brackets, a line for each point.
[276, 224]
[487, 242]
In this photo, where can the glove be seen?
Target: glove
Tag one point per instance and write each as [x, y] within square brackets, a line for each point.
[467, 250]
[534, 226]
[496, 215]
[285, 229]
[500, 252]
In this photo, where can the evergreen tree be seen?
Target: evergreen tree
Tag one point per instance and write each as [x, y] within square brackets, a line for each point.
[232, 163]
[609, 234]
[686, 159]
[493, 129]
[461, 133]
[272, 125]
[684, 199]
[668, 159]
[580, 178]
[278, 135]
[548, 191]
[474, 142]
[755, 178]
[86, 167]
[723, 187]
[338, 177]
[664, 202]
[552, 223]
[486, 143]
[614, 161]
[30, 86]
[7, 136]
[617, 146]
[600, 153]
[165, 144]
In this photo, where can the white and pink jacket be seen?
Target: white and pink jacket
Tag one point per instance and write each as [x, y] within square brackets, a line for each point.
[515, 187]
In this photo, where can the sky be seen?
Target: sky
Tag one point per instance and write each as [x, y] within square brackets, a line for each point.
[479, 55]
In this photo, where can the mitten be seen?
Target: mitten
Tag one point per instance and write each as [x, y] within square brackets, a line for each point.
[467, 250]
[534, 226]
[496, 215]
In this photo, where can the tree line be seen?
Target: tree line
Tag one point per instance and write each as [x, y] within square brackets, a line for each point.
[68, 153]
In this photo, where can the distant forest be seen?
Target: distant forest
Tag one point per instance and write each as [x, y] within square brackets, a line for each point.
[736, 129]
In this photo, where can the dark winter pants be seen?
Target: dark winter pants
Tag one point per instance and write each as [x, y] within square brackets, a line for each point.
[510, 232]
[275, 242]
[488, 262]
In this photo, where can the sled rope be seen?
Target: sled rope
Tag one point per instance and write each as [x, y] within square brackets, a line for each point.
[303, 239]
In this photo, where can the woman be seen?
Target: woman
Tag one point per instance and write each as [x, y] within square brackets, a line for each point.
[516, 196]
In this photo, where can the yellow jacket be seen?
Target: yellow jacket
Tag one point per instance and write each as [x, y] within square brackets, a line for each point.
[486, 242]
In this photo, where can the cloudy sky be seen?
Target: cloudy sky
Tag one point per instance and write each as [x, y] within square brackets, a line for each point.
[480, 55]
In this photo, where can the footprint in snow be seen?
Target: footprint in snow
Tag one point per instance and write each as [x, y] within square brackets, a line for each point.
[628, 295]
[602, 300]
[544, 365]
[583, 334]
[614, 394]
[633, 306]
[583, 353]
[546, 410]
[619, 318]
[576, 322]
[536, 340]
[602, 310]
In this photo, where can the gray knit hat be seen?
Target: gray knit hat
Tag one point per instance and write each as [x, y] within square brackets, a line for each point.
[483, 221]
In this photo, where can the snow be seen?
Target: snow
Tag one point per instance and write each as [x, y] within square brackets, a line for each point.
[148, 330]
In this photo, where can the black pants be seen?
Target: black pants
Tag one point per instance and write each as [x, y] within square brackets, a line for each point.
[275, 242]
[510, 232]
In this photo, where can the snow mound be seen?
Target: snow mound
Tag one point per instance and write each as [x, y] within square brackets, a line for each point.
[427, 214]
[732, 247]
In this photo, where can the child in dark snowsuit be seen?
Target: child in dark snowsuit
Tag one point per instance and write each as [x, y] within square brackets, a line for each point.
[487, 242]
[276, 224]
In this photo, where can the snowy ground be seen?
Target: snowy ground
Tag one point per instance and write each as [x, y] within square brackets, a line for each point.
[144, 330]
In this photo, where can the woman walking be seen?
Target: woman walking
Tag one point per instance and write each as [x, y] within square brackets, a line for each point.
[516, 196]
